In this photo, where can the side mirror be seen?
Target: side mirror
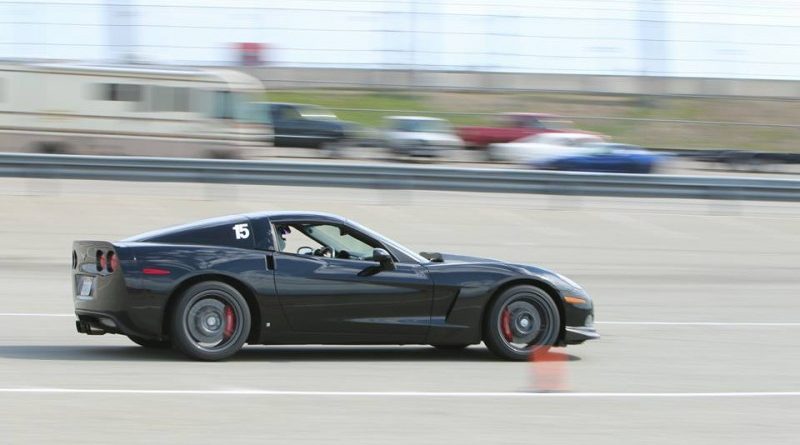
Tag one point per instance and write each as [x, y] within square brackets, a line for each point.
[305, 250]
[383, 257]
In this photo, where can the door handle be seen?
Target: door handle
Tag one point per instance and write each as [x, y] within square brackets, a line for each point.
[270, 261]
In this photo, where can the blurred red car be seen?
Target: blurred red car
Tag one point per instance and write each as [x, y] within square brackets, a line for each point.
[513, 126]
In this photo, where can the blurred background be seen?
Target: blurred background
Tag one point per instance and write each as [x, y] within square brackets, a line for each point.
[668, 76]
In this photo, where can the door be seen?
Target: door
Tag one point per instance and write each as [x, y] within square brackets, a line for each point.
[291, 129]
[608, 162]
[324, 291]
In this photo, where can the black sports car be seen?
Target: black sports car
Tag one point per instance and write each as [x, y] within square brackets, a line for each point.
[209, 287]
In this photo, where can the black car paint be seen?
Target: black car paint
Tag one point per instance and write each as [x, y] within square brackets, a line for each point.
[296, 299]
[302, 131]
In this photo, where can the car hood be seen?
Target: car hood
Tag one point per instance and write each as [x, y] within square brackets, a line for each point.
[427, 135]
[557, 280]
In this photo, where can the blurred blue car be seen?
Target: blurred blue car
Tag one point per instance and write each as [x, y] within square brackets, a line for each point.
[604, 157]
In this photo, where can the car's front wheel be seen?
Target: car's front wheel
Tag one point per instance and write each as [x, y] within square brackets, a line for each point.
[211, 321]
[522, 320]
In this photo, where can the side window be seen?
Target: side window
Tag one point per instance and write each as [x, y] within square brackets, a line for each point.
[346, 245]
[223, 105]
[275, 113]
[181, 99]
[322, 240]
[533, 122]
[289, 113]
[171, 99]
[291, 239]
[119, 92]
[200, 101]
[162, 99]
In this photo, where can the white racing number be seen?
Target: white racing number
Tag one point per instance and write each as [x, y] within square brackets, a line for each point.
[242, 231]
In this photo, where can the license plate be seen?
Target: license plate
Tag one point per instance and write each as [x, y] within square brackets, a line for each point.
[86, 287]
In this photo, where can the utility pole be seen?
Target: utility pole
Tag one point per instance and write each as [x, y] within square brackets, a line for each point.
[652, 49]
[121, 31]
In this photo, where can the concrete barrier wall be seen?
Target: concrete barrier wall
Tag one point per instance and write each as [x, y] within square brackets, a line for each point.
[296, 78]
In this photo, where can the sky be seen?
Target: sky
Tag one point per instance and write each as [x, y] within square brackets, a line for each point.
[690, 38]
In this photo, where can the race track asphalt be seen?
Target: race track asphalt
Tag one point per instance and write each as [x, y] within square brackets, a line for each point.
[697, 302]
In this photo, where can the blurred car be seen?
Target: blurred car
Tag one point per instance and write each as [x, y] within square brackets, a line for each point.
[541, 148]
[420, 136]
[605, 157]
[513, 126]
[303, 125]
[737, 159]
[209, 287]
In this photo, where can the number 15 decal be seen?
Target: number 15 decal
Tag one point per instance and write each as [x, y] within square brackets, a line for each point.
[242, 231]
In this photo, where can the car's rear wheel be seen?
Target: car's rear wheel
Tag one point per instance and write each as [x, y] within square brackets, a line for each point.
[149, 343]
[211, 321]
[522, 320]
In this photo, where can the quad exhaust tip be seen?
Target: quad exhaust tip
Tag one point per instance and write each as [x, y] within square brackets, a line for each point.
[84, 327]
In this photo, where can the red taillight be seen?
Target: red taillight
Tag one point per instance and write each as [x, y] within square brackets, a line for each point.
[112, 261]
[154, 271]
[100, 261]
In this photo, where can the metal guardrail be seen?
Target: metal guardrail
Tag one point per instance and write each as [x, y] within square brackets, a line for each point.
[387, 176]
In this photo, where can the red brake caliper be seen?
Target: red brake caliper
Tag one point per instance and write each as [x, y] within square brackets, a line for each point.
[230, 322]
[505, 325]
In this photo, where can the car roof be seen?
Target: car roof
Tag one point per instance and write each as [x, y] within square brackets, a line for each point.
[230, 219]
[296, 214]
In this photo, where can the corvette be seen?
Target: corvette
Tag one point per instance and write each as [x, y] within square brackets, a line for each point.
[208, 287]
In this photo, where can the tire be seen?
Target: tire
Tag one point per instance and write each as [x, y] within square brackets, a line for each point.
[450, 347]
[52, 148]
[489, 156]
[520, 321]
[332, 149]
[211, 321]
[150, 344]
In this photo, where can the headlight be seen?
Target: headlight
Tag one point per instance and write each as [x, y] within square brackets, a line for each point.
[569, 282]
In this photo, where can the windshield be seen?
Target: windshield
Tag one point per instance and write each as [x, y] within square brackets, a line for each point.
[237, 106]
[421, 125]
[315, 112]
[375, 235]
[259, 112]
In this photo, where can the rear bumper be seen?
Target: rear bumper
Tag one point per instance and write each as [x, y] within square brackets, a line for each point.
[103, 322]
[575, 335]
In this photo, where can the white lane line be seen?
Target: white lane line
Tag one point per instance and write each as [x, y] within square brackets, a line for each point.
[418, 394]
[22, 314]
[635, 323]
[698, 323]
